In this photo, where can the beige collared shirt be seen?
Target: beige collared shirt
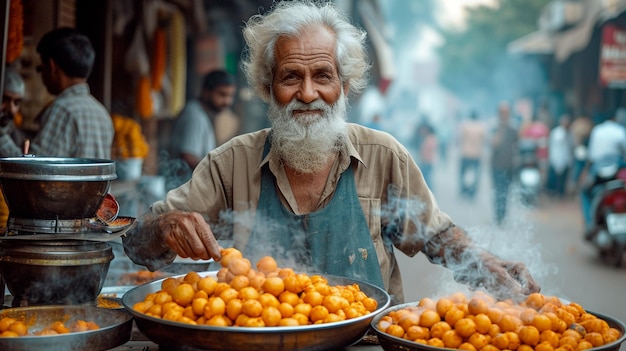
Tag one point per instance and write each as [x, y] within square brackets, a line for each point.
[399, 208]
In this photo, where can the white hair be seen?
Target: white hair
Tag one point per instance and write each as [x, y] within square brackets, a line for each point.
[290, 18]
[13, 81]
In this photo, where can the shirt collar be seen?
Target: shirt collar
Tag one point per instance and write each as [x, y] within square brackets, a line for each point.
[76, 89]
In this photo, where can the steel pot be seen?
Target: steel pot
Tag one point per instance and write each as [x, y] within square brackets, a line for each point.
[54, 272]
[55, 187]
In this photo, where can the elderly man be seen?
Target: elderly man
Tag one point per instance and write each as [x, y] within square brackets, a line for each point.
[12, 95]
[317, 193]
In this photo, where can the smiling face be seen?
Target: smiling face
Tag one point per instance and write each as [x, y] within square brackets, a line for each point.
[306, 69]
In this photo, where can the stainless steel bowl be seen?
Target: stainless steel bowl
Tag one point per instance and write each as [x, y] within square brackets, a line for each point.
[115, 328]
[392, 343]
[180, 336]
[54, 272]
[55, 187]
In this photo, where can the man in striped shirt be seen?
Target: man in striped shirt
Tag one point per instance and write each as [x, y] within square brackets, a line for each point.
[74, 124]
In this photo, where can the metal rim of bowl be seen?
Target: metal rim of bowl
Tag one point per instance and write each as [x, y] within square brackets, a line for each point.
[57, 168]
[407, 345]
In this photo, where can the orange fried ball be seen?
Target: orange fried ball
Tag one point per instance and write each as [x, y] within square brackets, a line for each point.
[481, 323]
[255, 296]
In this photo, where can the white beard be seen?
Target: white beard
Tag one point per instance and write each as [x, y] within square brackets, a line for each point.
[307, 142]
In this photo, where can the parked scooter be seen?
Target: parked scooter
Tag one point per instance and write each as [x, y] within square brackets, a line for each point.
[529, 176]
[608, 212]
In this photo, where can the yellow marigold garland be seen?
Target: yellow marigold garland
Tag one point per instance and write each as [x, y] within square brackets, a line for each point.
[128, 141]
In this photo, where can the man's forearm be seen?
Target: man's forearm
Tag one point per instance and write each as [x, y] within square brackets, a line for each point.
[145, 246]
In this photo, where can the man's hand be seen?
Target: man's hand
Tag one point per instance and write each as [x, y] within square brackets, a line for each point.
[478, 268]
[189, 235]
[503, 279]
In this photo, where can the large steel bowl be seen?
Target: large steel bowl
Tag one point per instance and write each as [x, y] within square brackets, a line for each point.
[55, 187]
[54, 272]
[393, 343]
[115, 328]
[180, 336]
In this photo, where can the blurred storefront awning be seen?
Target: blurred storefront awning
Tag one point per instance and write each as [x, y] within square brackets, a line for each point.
[382, 48]
[537, 43]
[577, 38]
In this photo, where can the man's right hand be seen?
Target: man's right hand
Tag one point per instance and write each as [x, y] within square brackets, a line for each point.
[189, 235]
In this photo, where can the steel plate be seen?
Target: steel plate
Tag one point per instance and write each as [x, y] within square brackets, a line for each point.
[180, 336]
[115, 328]
[392, 343]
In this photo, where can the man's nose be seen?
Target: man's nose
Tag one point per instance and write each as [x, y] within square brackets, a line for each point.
[308, 91]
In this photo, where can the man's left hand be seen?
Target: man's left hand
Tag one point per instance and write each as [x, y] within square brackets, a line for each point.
[504, 279]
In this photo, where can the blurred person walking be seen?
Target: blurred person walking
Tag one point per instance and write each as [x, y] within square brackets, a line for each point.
[580, 129]
[504, 152]
[426, 139]
[75, 124]
[560, 157]
[472, 135]
[535, 134]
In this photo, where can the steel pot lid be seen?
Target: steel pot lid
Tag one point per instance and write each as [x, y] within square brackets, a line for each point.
[57, 168]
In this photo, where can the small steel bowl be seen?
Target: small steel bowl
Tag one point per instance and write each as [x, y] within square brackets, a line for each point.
[115, 328]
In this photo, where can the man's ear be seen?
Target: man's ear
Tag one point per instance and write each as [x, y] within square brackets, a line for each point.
[346, 88]
[54, 67]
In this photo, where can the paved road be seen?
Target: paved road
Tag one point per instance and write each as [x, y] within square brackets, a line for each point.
[547, 238]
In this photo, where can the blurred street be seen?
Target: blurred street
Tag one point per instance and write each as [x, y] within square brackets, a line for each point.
[548, 239]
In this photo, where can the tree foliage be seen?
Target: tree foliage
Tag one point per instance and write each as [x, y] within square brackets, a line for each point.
[474, 58]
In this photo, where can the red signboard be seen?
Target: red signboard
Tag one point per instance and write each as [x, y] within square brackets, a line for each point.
[613, 57]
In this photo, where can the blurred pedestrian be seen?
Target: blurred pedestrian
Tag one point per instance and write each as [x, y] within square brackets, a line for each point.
[580, 129]
[472, 134]
[426, 150]
[560, 157]
[504, 152]
[535, 134]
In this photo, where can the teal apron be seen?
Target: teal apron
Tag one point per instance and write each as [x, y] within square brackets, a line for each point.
[334, 240]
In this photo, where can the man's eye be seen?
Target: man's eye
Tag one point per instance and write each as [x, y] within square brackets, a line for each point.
[324, 77]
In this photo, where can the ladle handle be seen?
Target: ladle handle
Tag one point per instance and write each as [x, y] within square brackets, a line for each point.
[26, 146]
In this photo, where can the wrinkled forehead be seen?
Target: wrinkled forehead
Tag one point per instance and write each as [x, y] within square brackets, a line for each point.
[311, 41]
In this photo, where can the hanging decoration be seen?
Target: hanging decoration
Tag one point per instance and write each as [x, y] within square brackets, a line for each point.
[178, 62]
[15, 31]
[128, 141]
[159, 57]
[144, 105]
